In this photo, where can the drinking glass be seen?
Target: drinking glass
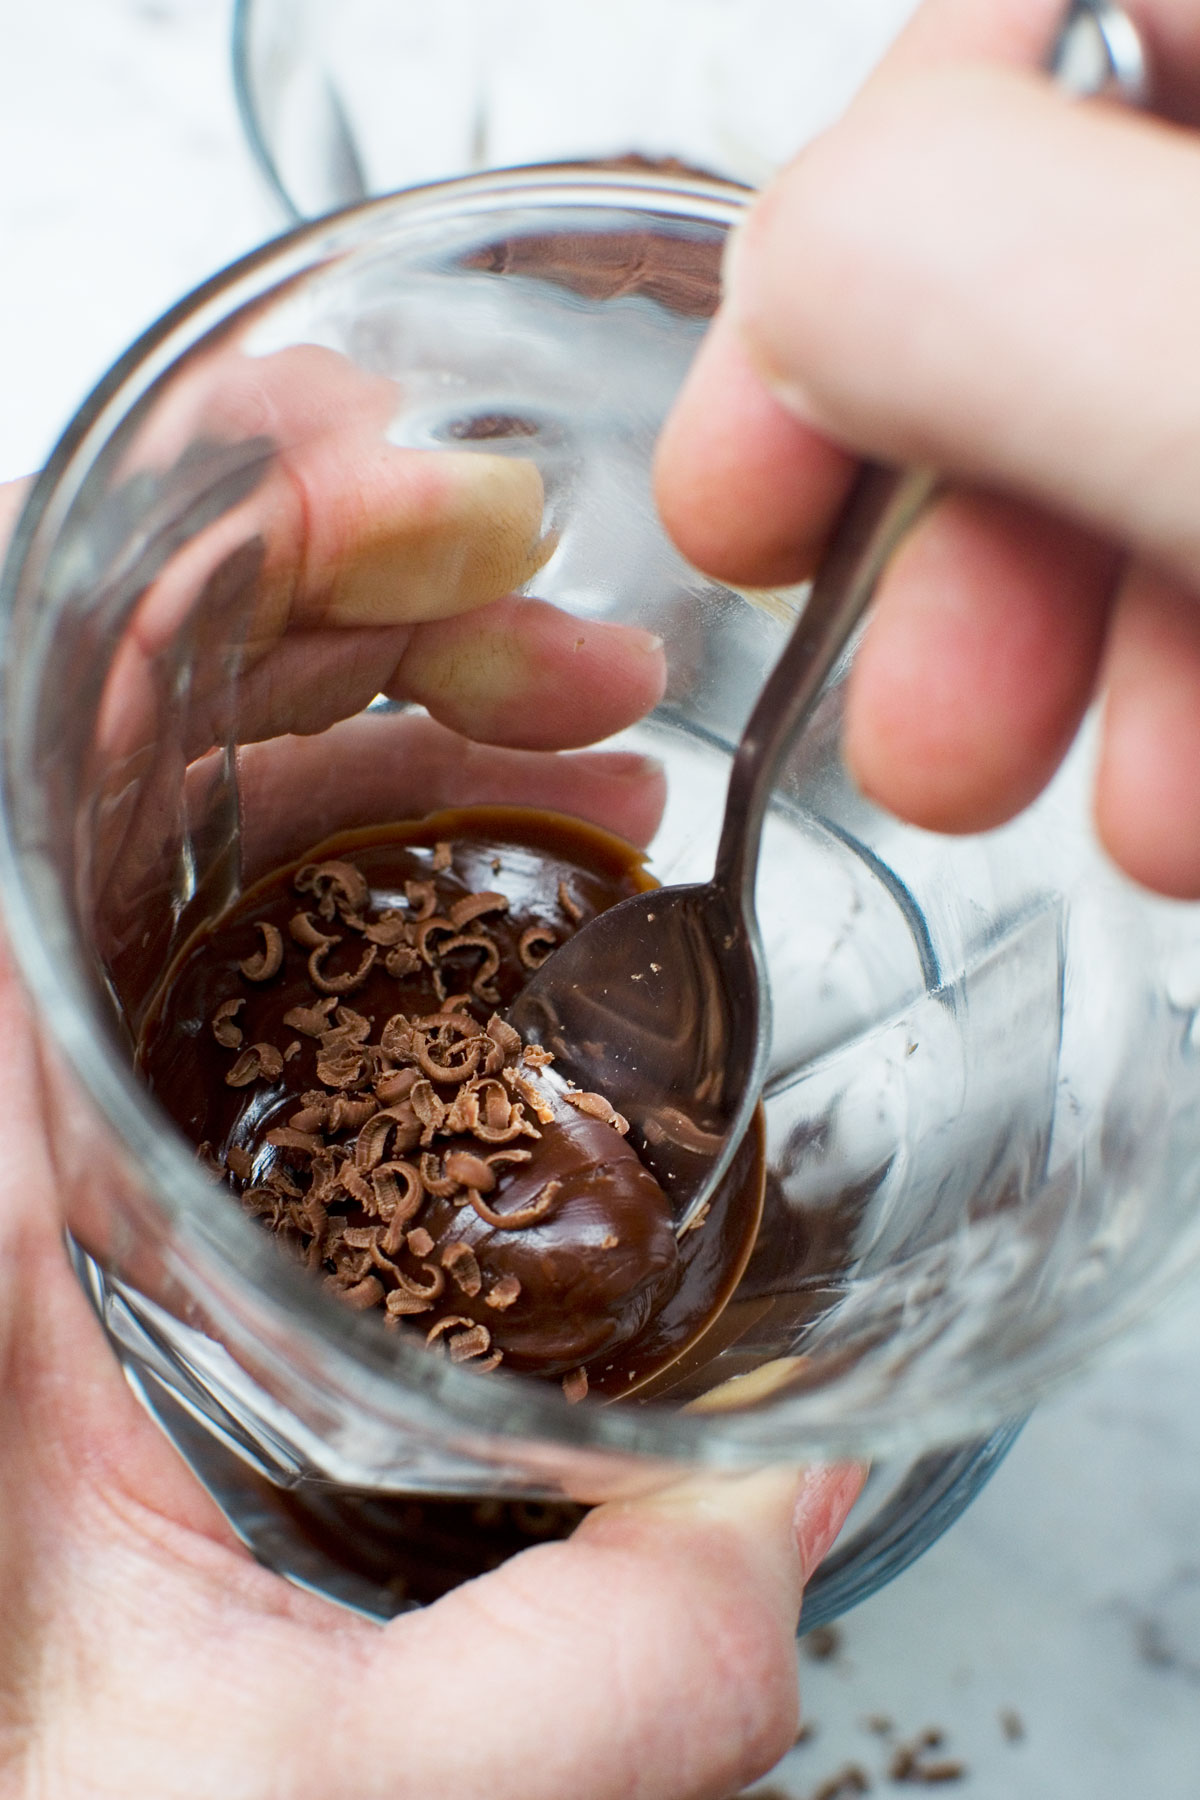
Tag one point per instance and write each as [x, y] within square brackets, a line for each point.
[982, 1142]
[345, 98]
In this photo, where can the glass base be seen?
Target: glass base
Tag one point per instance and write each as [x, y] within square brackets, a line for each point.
[382, 1554]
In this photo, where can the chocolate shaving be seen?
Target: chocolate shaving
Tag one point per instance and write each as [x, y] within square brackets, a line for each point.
[462, 1058]
[281, 1181]
[532, 1096]
[428, 1108]
[396, 1122]
[429, 928]
[351, 1112]
[823, 1643]
[352, 1026]
[418, 1242]
[497, 1106]
[911, 1762]
[364, 1294]
[502, 1120]
[352, 1181]
[490, 965]
[503, 1292]
[394, 1085]
[337, 885]
[535, 1057]
[463, 1115]
[304, 930]
[259, 1060]
[443, 856]
[239, 1161]
[401, 961]
[524, 1216]
[310, 1118]
[497, 1158]
[469, 1170]
[398, 1192]
[227, 1034]
[448, 1322]
[324, 1184]
[466, 1344]
[390, 929]
[462, 1265]
[340, 1064]
[260, 1201]
[853, 1779]
[449, 1014]
[360, 1237]
[415, 1290]
[575, 1386]
[595, 1106]
[396, 1039]
[339, 984]
[422, 898]
[502, 1034]
[569, 904]
[403, 1302]
[283, 1137]
[475, 906]
[311, 1020]
[269, 960]
[440, 1185]
[530, 939]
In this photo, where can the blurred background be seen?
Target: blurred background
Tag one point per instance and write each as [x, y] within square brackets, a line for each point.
[1053, 1637]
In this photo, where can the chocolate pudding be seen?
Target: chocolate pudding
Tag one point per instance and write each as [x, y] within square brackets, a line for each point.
[336, 1049]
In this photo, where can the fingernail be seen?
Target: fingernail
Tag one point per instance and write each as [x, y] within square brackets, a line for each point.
[823, 1500]
[737, 308]
[762, 1498]
[629, 766]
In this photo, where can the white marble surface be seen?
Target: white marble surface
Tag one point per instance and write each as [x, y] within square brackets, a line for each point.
[1071, 1591]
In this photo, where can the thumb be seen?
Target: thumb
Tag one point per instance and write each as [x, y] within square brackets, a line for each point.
[652, 1655]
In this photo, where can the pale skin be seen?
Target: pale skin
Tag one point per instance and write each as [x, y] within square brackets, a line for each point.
[973, 272]
[970, 310]
[143, 1652]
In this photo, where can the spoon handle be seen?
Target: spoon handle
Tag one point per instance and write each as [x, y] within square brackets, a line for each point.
[882, 506]
[1097, 52]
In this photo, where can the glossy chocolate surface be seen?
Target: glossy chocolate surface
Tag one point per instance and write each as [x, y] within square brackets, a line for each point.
[598, 1280]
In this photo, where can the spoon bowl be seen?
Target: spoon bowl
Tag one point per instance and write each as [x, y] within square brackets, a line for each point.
[661, 1004]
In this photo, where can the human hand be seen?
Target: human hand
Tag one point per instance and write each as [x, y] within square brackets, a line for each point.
[972, 272]
[145, 1653]
[262, 561]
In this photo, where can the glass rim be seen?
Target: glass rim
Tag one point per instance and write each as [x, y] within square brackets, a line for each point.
[247, 110]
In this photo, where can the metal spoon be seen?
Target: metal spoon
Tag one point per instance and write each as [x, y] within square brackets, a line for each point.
[661, 1004]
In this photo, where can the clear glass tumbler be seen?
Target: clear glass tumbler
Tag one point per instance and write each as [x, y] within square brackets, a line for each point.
[983, 1147]
[345, 98]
